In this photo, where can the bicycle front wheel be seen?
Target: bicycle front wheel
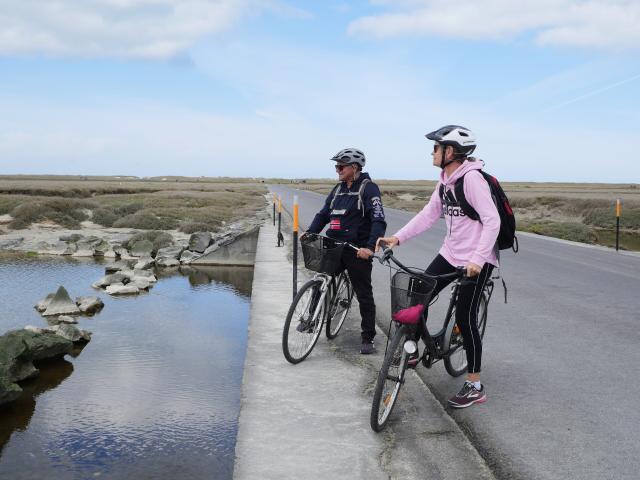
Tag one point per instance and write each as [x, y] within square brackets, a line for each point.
[455, 362]
[304, 322]
[390, 379]
[339, 306]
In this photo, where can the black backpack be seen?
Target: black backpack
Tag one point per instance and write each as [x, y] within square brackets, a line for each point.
[507, 236]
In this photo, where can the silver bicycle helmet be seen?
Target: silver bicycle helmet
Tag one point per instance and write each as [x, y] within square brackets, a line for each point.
[460, 138]
[348, 156]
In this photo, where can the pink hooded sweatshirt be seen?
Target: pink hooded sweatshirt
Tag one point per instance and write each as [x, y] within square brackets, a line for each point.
[466, 240]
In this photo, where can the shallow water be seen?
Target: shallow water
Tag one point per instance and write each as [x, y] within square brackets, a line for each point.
[155, 394]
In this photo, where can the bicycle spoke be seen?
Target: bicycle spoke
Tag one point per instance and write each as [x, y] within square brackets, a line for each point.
[304, 322]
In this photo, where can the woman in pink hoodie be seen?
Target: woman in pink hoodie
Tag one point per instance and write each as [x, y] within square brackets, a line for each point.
[467, 243]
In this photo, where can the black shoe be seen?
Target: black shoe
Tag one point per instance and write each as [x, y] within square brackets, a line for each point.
[367, 348]
[467, 396]
[305, 327]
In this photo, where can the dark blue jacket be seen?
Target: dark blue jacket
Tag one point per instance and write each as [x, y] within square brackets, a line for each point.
[346, 221]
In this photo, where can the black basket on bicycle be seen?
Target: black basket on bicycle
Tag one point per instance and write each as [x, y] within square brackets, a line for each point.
[410, 295]
[322, 254]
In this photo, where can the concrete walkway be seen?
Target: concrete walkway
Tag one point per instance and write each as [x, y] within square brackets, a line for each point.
[311, 420]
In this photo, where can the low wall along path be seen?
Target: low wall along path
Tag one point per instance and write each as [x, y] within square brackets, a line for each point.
[311, 420]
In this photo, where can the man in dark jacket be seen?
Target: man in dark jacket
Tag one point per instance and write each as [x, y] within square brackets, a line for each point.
[354, 213]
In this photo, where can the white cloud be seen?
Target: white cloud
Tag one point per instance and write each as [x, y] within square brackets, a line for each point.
[597, 23]
[149, 29]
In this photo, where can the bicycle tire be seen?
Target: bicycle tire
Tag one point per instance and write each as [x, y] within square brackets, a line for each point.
[297, 345]
[455, 361]
[339, 306]
[396, 359]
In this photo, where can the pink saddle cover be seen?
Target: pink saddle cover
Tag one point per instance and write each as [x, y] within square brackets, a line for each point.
[409, 316]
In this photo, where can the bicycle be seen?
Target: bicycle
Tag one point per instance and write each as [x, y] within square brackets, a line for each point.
[411, 295]
[325, 299]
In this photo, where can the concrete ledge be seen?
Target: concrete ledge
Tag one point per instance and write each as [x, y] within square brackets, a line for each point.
[311, 420]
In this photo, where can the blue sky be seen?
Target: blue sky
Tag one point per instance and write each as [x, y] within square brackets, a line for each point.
[273, 88]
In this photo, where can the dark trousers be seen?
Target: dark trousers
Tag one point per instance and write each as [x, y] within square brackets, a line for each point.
[466, 308]
[360, 274]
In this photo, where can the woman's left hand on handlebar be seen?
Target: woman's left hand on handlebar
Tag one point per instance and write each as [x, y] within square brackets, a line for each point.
[473, 269]
[364, 253]
[390, 241]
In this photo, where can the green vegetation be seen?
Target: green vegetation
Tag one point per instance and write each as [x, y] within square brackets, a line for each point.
[163, 203]
[158, 239]
[62, 211]
[576, 232]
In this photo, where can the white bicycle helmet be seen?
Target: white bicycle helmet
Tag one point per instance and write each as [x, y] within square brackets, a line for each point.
[349, 155]
[460, 138]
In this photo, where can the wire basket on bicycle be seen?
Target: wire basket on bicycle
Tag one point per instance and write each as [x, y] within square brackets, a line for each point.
[322, 254]
[410, 294]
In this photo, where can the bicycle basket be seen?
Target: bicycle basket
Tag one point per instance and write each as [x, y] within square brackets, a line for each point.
[322, 254]
[409, 296]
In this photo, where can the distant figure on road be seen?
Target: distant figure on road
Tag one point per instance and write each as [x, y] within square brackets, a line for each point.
[467, 243]
[354, 213]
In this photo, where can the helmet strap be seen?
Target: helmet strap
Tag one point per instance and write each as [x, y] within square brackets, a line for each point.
[443, 160]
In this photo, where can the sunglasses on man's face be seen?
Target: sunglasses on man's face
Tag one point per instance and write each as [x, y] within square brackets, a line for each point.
[340, 167]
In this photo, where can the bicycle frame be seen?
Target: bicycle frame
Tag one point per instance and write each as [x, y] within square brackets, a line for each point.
[436, 347]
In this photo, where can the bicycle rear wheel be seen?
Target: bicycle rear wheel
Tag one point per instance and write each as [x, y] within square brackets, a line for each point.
[390, 379]
[339, 306]
[304, 322]
[455, 362]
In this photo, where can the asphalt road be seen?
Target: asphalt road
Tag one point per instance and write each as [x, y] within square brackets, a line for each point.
[560, 359]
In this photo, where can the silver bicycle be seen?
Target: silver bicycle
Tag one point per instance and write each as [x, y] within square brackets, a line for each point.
[325, 299]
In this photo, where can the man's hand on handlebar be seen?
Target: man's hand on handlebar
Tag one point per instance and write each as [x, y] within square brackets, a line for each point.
[389, 242]
[364, 253]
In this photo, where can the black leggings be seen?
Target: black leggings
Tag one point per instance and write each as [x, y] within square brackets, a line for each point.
[466, 308]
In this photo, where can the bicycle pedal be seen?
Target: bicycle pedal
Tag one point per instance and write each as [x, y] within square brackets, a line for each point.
[427, 361]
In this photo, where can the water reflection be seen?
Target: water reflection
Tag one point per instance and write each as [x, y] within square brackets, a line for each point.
[240, 278]
[16, 415]
[155, 394]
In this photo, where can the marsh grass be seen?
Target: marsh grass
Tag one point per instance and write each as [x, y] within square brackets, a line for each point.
[67, 212]
[185, 204]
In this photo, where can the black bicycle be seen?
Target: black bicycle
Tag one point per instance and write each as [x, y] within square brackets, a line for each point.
[325, 299]
[411, 295]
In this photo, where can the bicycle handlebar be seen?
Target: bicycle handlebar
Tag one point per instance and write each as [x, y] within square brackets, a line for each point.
[387, 256]
[316, 235]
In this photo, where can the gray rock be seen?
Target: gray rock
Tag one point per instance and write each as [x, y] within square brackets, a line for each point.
[66, 319]
[168, 262]
[120, 289]
[89, 305]
[144, 263]
[188, 256]
[74, 237]
[42, 305]
[61, 304]
[18, 350]
[71, 249]
[199, 241]
[101, 249]
[142, 283]
[56, 248]
[141, 248]
[71, 333]
[110, 280]
[146, 274]
[169, 252]
[110, 254]
[116, 267]
[31, 328]
[11, 243]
